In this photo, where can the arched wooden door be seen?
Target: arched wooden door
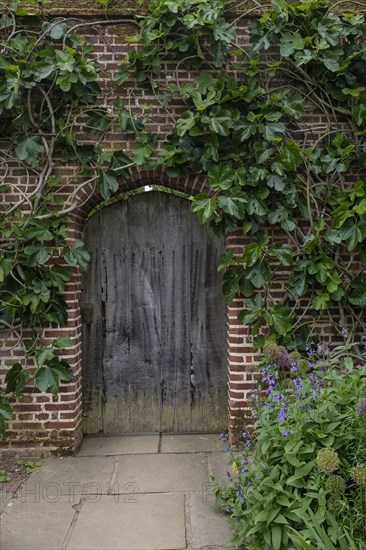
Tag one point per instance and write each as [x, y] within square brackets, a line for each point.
[154, 338]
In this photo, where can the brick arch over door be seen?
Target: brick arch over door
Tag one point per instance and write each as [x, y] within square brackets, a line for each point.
[65, 429]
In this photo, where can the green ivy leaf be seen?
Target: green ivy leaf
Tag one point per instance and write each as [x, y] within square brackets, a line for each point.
[293, 107]
[122, 75]
[76, 254]
[59, 276]
[234, 206]
[57, 312]
[279, 214]
[253, 314]
[273, 130]
[66, 59]
[290, 42]
[204, 206]
[283, 252]
[231, 283]
[185, 123]
[279, 318]
[226, 260]
[39, 230]
[221, 176]
[49, 377]
[16, 378]
[321, 301]
[297, 285]
[63, 342]
[44, 355]
[303, 57]
[36, 255]
[353, 234]
[359, 114]
[288, 225]
[55, 30]
[107, 184]
[172, 6]
[29, 149]
[331, 60]
[5, 409]
[98, 121]
[354, 92]
[252, 252]
[260, 274]
[43, 69]
[218, 124]
[223, 31]
[141, 151]
[357, 292]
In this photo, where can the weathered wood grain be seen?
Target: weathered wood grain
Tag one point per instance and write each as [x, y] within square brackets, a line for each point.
[91, 304]
[155, 351]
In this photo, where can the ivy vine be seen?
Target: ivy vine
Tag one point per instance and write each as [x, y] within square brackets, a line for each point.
[276, 128]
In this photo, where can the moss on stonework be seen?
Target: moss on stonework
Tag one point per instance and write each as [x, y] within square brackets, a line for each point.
[87, 8]
[130, 7]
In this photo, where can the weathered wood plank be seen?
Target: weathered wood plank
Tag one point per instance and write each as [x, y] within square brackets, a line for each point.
[175, 308]
[215, 327]
[208, 332]
[115, 295]
[145, 273]
[91, 308]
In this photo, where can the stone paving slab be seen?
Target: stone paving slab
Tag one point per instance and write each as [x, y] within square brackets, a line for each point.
[209, 527]
[152, 522]
[142, 501]
[71, 476]
[191, 443]
[161, 473]
[36, 524]
[119, 445]
[219, 466]
[7, 492]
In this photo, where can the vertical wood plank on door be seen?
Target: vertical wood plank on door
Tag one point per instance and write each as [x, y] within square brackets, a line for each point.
[91, 308]
[208, 331]
[175, 358]
[117, 411]
[145, 273]
[215, 327]
[198, 320]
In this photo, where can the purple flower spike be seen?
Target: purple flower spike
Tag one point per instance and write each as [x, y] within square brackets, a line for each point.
[361, 407]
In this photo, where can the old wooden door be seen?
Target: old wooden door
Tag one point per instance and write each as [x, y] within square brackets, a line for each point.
[154, 340]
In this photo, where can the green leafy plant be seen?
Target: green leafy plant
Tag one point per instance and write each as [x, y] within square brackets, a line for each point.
[301, 471]
[29, 466]
[4, 476]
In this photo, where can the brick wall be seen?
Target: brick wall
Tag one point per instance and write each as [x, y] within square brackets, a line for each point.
[44, 423]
